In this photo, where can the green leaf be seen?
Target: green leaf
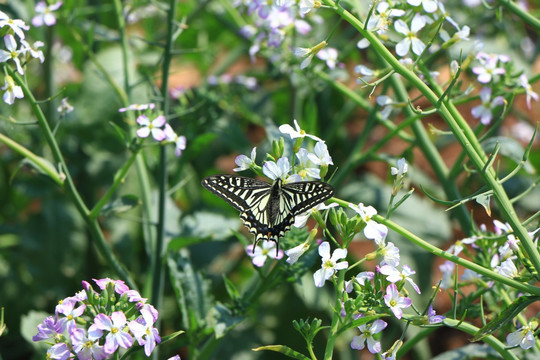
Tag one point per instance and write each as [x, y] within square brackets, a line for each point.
[510, 148]
[231, 289]
[121, 205]
[506, 315]
[470, 351]
[224, 320]
[285, 350]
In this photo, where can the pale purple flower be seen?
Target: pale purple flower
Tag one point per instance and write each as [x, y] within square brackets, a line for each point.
[433, 318]
[330, 264]
[178, 141]
[488, 69]
[138, 107]
[523, 337]
[86, 346]
[373, 230]
[11, 91]
[366, 74]
[393, 275]
[120, 286]
[320, 155]
[134, 296]
[71, 313]
[360, 279]
[45, 13]
[153, 127]
[65, 107]
[447, 269]
[430, 6]
[395, 301]
[305, 6]
[12, 53]
[470, 275]
[115, 325]
[245, 162]
[368, 330]
[410, 41]
[380, 18]
[387, 104]
[484, 111]
[18, 26]
[59, 352]
[49, 329]
[329, 55]
[259, 254]
[458, 246]
[524, 83]
[296, 132]
[144, 331]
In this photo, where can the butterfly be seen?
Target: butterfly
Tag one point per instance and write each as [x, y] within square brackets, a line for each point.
[268, 210]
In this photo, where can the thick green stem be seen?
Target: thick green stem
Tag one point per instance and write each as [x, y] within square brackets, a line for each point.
[69, 186]
[523, 14]
[460, 129]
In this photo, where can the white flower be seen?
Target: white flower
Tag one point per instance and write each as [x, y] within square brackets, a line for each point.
[245, 162]
[307, 5]
[65, 107]
[373, 230]
[260, 254]
[329, 55]
[484, 111]
[488, 69]
[33, 50]
[329, 263]
[277, 170]
[508, 269]
[294, 254]
[12, 91]
[178, 141]
[394, 275]
[151, 127]
[12, 52]
[367, 73]
[523, 337]
[380, 18]
[429, 6]
[410, 40]
[308, 53]
[320, 155]
[524, 83]
[15, 24]
[45, 14]
[301, 219]
[390, 254]
[368, 330]
[401, 169]
[138, 107]
[296, 132]
[387, 105]
[303, 168]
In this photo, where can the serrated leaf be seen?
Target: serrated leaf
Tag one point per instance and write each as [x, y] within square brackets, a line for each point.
[121, 205]
[285, 350]
[506, 315]
[192, 292]
[223, 320]
[484, 201]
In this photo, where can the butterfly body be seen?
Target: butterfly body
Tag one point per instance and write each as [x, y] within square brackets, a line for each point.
[268, 210]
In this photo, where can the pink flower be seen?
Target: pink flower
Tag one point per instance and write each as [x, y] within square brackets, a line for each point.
[396, 302]
[153, 127]
[120, 287]
[368, 330]
[260, 254]
[144, 331]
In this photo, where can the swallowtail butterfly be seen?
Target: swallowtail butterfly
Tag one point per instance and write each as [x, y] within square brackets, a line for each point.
[268, 210]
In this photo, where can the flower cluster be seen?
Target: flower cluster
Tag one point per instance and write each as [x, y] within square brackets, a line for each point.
[18, 52]
[157, 126]
[498, 250]
[95, 324]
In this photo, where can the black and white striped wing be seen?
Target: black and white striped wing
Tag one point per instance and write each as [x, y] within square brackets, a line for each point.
[268, 210]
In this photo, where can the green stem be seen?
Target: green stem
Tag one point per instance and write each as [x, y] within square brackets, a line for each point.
[522, 14]
[460, 129]
[334, 328]
[158, 269]
[37, 160]
[69, 186]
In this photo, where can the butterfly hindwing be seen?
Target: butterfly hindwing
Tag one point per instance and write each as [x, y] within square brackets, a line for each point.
[268, 210]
